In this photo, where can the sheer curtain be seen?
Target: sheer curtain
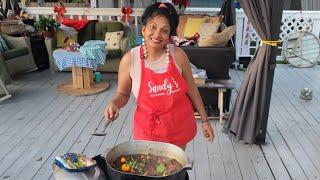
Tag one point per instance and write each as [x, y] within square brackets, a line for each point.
[142, 3]
[105, 4]
[123, 3]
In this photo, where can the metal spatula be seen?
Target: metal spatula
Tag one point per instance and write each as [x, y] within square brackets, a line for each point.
[101, 132]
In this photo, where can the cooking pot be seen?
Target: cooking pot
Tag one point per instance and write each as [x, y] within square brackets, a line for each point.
[147, 147]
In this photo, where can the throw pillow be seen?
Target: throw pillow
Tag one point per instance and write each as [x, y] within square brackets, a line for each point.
[61, 37]
[3, 45]
[213, 19]
[192, 27]
[182, 23]
[207, 29]
[107, 26]
[219, 39]
[113, 39]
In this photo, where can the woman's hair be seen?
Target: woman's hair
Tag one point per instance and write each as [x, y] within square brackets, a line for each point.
[165, 9]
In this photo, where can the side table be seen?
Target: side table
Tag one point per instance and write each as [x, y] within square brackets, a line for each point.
[82, 73]
[221, 85]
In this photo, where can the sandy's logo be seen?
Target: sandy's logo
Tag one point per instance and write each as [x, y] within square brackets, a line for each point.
[167, 87]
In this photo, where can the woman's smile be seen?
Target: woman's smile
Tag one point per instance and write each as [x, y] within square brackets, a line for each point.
[156, 32]
[156, 40]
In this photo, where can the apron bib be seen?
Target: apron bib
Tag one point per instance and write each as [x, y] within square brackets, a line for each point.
[164, 111]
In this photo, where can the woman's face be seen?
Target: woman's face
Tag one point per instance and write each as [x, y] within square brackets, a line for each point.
[156, 32]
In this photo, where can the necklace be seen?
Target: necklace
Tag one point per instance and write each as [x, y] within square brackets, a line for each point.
[145, 53]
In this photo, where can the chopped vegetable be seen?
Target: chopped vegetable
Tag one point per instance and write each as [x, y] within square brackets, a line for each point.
[125, 168]
[160, 168]
[123, 160]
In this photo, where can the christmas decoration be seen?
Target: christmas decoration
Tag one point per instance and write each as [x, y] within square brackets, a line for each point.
[184, 3]
[126, 14]
[60, 11]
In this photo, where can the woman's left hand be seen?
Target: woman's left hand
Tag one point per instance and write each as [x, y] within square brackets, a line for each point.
[207, 131]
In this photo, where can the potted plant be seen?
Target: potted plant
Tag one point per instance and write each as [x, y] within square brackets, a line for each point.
[46, 25]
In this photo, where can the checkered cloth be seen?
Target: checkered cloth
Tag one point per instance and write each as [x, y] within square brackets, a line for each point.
[95, 49]
[66, 59]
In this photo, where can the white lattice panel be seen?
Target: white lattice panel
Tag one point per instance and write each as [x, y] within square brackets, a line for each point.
[290, 24]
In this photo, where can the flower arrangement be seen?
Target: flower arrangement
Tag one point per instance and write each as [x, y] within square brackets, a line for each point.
[180, 3]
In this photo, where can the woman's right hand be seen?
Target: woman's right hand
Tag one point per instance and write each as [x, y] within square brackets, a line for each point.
[111, 112]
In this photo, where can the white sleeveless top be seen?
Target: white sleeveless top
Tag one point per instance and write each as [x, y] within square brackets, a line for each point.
[158, 66]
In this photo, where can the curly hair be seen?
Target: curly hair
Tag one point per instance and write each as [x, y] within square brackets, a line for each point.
[167, 10]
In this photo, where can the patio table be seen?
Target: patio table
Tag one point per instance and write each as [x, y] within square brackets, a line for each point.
[82, 73]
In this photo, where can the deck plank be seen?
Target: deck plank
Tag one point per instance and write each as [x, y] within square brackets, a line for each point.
[190, 153]
[30, 109]
[291, 139]
[230, 161]
[201, 164]
[275, 162]
[15, 108]
[17, 86]
[217, 166]
[76, 130]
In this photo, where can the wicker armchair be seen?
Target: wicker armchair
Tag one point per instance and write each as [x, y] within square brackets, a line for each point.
[3, 88]
[17, 59]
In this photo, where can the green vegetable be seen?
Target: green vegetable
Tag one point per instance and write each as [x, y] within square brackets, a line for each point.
[160, 168]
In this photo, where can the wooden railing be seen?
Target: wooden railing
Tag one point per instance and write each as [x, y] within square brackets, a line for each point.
[89, 13]
[246, 42]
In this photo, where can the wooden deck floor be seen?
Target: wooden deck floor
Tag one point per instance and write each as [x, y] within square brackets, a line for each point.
[38, 124]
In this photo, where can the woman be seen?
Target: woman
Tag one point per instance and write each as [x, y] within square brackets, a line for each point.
[161, 81]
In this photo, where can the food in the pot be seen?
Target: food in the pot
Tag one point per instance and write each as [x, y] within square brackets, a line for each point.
[147, 165]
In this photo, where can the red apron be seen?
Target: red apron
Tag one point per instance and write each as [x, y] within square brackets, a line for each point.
[164, 111]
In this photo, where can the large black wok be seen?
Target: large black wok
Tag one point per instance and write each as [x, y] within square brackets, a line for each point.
[147, 147]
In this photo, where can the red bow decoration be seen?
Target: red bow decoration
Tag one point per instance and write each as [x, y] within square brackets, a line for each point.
[126, 11]
[181, 3]
[60, 11]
